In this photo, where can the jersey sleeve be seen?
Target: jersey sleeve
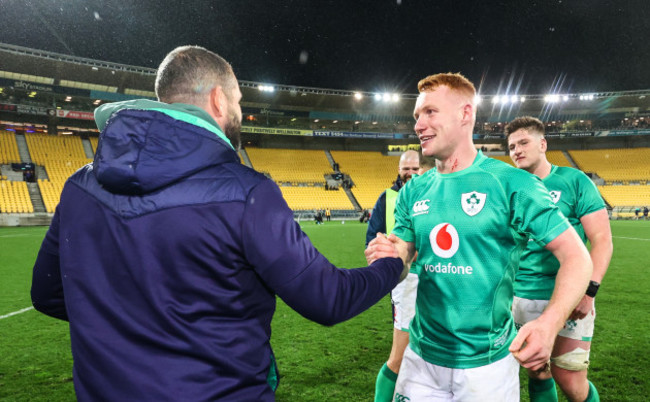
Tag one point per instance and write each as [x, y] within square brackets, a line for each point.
[287, 262]
[403, 223]
[533, 212]
[588, 196]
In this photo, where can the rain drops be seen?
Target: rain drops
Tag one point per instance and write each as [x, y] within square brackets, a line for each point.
[304, 56]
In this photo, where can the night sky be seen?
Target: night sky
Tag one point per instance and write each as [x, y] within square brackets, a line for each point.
[518, 46]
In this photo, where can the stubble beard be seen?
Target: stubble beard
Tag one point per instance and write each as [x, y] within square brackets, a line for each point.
[233, 132]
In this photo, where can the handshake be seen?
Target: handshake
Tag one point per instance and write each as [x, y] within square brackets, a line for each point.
[391, 246]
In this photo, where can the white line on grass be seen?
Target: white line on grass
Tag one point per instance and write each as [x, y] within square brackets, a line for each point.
[16, 312]
[20, 235]
[630, 238]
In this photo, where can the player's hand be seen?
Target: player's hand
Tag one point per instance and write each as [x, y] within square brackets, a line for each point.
[583, 308]
[533, 345]
[380, 247]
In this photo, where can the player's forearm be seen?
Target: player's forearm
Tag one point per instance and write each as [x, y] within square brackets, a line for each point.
[601, 254]
[570, 286]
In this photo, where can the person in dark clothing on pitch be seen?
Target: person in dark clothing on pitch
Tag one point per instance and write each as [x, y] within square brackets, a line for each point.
[166, 253]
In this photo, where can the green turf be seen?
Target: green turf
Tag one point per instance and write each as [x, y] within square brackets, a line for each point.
[328, 363]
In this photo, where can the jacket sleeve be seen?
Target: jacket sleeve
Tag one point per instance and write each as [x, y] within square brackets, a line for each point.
[377, 222]
[290, 265]
[47, 285]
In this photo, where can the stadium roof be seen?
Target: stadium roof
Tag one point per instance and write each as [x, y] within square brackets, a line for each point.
[367, 45]
[49, 68]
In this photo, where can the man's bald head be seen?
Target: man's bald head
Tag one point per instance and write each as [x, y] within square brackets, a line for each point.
[409, 163]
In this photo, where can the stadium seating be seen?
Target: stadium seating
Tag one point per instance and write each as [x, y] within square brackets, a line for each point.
[291, 165]
[93, 142]
[301, 176]
[371, 173]
[615, 165]
[61, 156]
[626, 196]
[310, 198]
[557, 158]
[8, 148]
[14, 197]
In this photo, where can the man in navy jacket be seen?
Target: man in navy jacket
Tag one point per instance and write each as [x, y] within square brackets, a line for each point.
[166, 253]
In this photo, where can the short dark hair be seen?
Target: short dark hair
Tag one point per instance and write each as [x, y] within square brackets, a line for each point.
[189, 73]
[525, 122]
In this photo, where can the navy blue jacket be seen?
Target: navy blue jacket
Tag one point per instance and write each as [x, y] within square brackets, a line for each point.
[165, 255]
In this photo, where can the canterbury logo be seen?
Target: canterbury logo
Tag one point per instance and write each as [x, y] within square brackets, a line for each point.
[421, 206]
[401, 398]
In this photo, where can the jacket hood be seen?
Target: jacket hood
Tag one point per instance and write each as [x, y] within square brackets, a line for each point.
[146, 145]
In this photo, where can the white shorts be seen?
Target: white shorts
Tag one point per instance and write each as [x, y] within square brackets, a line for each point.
[525, 310]
[403, 298]
[422, 381]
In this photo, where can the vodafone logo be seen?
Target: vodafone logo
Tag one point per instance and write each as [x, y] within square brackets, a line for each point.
[444, 240]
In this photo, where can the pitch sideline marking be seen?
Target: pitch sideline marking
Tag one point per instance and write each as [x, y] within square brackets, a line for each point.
[16, 312]
[630, 238]
[18, 235]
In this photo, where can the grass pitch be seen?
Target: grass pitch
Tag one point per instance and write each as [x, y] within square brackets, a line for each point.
[319, 363]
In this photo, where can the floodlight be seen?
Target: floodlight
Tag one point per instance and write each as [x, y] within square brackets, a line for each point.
[552, 98]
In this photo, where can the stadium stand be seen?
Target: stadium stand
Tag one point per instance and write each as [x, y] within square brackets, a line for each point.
[371, 173]
[14, 197]
[301, 177]
[318, 118]
[615, 165]
[61, 156]
[558, 158]
[93, 143]
[291, 165]
[625, 196]
[311, 198]
[8, 148]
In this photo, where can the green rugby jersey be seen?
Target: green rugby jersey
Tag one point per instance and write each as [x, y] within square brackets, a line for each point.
[576, 196]
[469, 229]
